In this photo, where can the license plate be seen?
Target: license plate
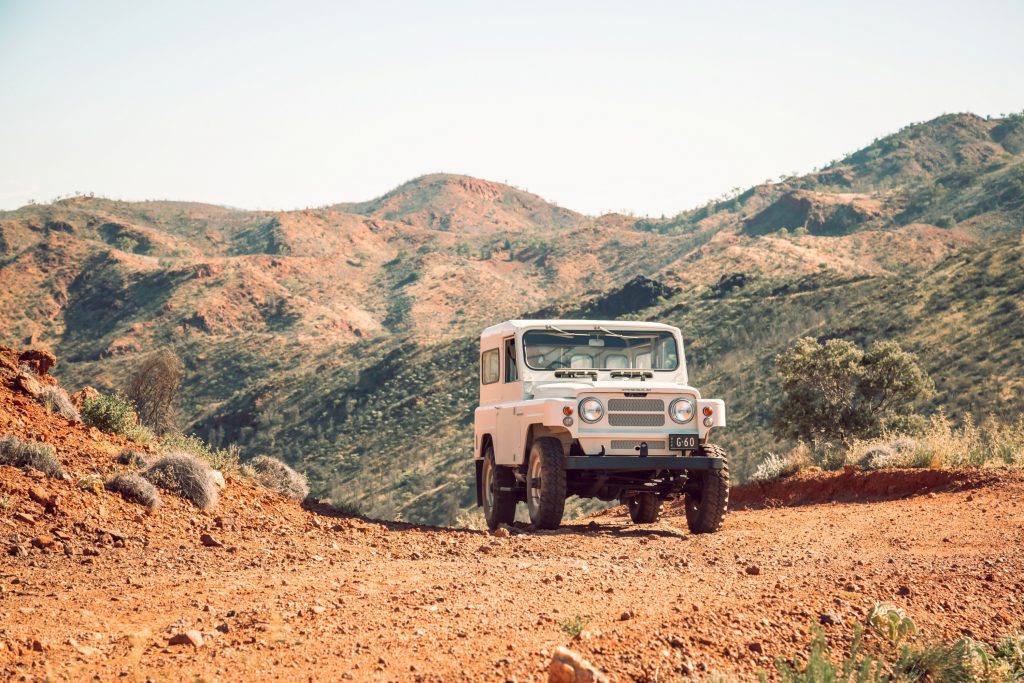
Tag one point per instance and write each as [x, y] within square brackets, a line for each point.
[682, 442]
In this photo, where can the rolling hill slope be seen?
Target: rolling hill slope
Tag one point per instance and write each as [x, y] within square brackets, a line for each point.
[342, 338]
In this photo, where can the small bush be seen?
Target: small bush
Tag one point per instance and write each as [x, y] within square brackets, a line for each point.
[223, 459]
[273, 474]
[574, 627]
[57, 401]
[184, 475]
[114, 413]
[39, 456]
[154, 390]
[133, 458]
[775, 466]
[134, 489]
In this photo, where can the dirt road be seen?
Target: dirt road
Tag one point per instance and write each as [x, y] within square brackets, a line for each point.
[306, 596]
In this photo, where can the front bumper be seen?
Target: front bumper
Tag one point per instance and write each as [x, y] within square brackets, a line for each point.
[635, 463]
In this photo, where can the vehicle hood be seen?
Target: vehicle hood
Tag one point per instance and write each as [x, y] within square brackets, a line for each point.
[574, 388]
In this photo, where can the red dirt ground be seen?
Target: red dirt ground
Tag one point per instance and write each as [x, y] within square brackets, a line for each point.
[300, 594]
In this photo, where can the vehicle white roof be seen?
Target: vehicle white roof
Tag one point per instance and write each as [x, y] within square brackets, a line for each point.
[512, 326]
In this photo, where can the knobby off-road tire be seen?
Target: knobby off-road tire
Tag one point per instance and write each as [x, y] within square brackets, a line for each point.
[644, 508]
[499, 506]
[707, 505]
[545, 483]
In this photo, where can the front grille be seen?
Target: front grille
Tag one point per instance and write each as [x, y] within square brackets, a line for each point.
[628, 444]
[636, 419]
[636, 405]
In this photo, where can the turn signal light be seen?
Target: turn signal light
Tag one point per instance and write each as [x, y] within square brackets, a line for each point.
[567, 410]
[707, 411]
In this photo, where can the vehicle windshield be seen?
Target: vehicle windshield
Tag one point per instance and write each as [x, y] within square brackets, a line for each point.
[602, 349]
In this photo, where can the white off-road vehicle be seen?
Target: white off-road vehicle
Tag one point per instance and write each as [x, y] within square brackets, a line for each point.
[597, 409]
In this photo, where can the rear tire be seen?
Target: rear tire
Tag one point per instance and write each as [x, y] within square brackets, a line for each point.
[499, 506]
[545, 483]
[644, 508]
[707, 504]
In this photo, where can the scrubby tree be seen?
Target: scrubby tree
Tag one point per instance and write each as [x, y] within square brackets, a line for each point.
[154, 390]
[836, 391]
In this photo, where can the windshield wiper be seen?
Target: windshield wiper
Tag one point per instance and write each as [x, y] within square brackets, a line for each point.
[567, 334]
[633, 374]
[577, 373]
[621, 336]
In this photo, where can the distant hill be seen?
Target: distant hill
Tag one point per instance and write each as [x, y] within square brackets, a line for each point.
[342, 338]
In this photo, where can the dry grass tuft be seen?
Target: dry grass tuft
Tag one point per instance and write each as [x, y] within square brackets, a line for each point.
[34, 454]
[57, 401]
[186, 476]
[273, 474]
[134, 489]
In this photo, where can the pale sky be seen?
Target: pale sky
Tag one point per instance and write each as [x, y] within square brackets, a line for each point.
[648, 107]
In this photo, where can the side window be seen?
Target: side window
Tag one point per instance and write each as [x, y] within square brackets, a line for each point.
[511, 369]
[489, 361]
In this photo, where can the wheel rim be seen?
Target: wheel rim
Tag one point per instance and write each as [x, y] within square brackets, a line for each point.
[533, 486]
[488, 488]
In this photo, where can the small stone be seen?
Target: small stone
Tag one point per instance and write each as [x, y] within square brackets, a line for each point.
[41, 496]
[626, 616]
[903, 591]
[568, 667]
[318, 609]
[17, 551]
[218, 479]
[24, 517]
[210, 542]
[68, 550]
[223, 627]
[756, 648]
[851, 588]
[44, 541]
[829, 619]
[753, 569]
[193, 638]
[501, 532]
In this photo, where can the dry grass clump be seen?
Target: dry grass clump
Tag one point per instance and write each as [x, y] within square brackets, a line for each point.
[57, 401]
[134, 489]
[34, 454]
[993, 443]
[273, 474]
[223, 459]
[186, 476]
[132, 458]
[775, 466]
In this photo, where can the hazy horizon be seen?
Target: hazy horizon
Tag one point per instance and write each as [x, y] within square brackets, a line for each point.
[648, 110]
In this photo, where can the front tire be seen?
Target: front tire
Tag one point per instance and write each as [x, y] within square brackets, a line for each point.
[644, 508]
[499, 505]
[708, 501]
[545, 483]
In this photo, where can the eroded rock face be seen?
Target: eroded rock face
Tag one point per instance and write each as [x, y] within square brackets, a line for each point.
[821, 213]
[37, 359]
[568, 667]
[79, 397]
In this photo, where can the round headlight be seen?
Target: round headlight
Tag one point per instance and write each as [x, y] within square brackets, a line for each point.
[591, 410]
[681, 410]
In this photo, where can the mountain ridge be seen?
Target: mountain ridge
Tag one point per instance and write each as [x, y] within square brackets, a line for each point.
[272, 310]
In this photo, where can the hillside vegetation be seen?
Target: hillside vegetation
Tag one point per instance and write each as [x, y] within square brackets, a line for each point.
[341, 339]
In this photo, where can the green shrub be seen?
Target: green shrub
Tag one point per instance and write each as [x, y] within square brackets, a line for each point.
[134, 489]
[223, 459]
[574, 627]
[115, 414]
[184, 475]
[835, 392]
[273, 474]
[34, 454]
[57, 401]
